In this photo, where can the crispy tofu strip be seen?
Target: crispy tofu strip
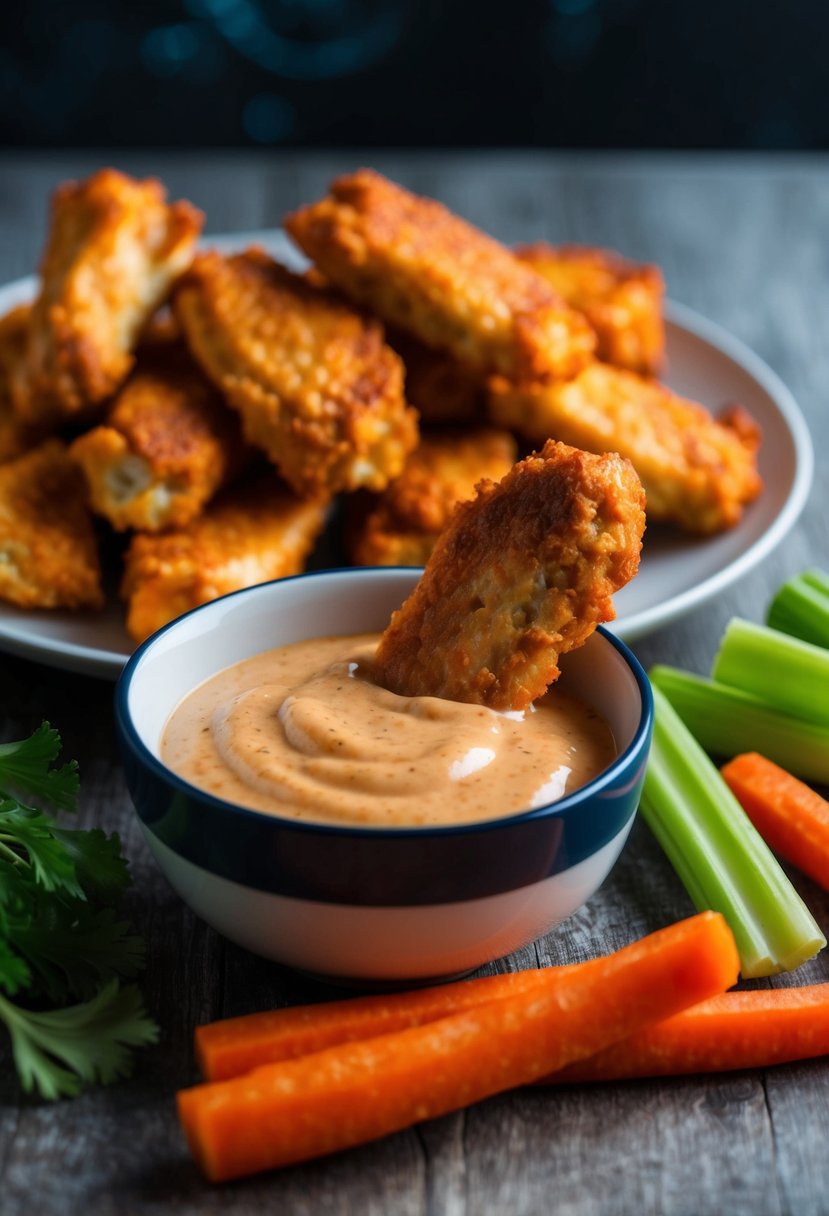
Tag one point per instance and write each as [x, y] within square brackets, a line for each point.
[249, 534]
[440, 388]
[16, 436]
[401, 528]
[168, 443]
[419, 267]
[48, 549]
[521, 574]
[316, 386]
[114, 249]
[697, 472]
[622, 301]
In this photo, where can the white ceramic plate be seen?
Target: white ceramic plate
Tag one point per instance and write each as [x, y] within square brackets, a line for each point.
[677, 573]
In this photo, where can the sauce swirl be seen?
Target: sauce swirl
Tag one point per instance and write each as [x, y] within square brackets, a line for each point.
[304, 731]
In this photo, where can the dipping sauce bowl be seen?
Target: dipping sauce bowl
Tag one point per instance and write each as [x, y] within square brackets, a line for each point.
[364, 903]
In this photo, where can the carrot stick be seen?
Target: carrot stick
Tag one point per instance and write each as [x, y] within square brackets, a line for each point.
[791, 817]
[731, 1031]
[234, 1046]
[345, 1095]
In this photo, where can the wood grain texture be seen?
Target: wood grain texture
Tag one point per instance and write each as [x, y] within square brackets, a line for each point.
[742, 240]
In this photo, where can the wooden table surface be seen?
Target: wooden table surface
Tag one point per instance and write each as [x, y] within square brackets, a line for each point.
[740, 239]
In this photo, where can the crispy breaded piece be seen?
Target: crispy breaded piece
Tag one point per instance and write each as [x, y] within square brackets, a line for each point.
[440, 388]
[697, 472]
[403, 525]
[521, 574]
[168, 442]
[622, 301]
[16, 436]
[419, 267]
[114, 249]
[316, 386]
[247, 535]
[48, 549]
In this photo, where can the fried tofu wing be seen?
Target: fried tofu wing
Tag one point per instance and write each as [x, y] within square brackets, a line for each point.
[521, 574]
[113, 251]
[48, 549]
[247, 535]
[316, 386]
[167, 444]
[16, 436]
[697, 472]
[427, 271]
[440, 388]
[622, 301]
[402, 527]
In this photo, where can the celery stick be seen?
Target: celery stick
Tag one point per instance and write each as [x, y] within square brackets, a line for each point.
[801, 608]
[727, 721]
[790, 675]
[721, 859]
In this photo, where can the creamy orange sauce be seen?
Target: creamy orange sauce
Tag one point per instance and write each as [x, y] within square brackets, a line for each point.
[304, 731]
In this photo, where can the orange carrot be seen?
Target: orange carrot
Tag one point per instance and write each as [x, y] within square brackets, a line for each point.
[237, 1045]
[345, 1095]
[791, 817]
[731, 1031]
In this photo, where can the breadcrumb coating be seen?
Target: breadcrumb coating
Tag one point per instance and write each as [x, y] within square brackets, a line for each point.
[48, 549]
[698, 472]
[167, 444]
[249, 534]
[427, 271]
[316, 386]
[522, 574]
[622, 301]
[402, 526]
[114, 249]
[16, 436]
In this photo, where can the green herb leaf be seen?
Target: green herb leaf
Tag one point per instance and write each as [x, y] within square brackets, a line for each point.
[60, 936]
[56, 1052]
[23, 827]
[26, 766]
[14, 972]
[73, 948]
[100, 868]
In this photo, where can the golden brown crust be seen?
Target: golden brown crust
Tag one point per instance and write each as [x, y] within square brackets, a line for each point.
[48, 550]
[522, 574]
[316, 386]
[621, 300]
[16, 436]
[401, 528]
[247, 535]
[419, 267]
[697, 472]
[114, 248]
[168, 442]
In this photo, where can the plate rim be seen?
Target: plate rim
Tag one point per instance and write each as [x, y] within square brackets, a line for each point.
[107, 664]
[722, 340]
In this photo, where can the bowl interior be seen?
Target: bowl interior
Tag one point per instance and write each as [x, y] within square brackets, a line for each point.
[322, 604]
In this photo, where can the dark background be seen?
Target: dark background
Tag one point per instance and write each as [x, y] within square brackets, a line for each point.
[543, 73]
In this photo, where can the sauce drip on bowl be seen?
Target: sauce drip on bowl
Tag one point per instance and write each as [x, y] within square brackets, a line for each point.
[304, 731]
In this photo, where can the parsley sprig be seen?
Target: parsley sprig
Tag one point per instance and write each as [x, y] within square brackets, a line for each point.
[61, 939]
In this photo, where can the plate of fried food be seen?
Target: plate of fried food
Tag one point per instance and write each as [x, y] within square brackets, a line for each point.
[180, 419]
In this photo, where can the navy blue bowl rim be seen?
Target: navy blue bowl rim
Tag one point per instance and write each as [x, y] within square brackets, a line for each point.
[560, 807]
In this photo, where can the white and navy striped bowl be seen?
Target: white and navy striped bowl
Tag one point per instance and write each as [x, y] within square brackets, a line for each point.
[361, 903]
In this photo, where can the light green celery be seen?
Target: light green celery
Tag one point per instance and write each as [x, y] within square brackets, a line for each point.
[721, 859]
[790, 675]
[801, 608]
[727, 721]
